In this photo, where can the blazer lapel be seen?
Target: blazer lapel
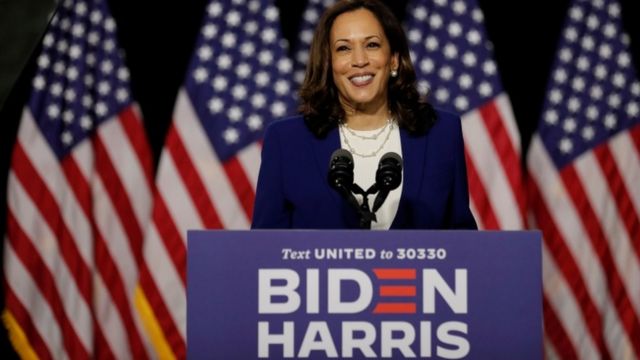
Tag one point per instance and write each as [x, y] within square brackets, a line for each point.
[413, 154]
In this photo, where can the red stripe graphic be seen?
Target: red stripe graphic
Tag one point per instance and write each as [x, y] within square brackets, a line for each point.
[392, 290]
[479, 195]
[556, 332]
[241, 185]
[395, 308]
[395, 274]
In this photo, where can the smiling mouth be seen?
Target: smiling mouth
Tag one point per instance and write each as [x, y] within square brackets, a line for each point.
[361, 80]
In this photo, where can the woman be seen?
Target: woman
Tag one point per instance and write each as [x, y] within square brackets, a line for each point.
[359, 94]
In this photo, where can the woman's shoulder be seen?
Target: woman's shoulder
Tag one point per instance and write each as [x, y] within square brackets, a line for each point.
[287, 125]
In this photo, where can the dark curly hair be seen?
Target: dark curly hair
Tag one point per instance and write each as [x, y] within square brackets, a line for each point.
[320, 105]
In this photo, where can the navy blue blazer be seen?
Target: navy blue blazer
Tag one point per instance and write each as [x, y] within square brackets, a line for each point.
[293, 191]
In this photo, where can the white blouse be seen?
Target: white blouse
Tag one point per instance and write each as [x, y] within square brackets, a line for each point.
[367, 142]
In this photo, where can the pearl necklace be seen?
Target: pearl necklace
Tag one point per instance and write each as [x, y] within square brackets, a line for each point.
[389, 125]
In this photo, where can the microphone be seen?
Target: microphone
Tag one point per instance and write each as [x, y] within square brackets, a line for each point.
[388, 177]
[341, 170]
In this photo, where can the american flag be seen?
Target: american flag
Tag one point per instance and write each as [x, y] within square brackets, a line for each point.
[79, 196]
[454, 64]
[584, 165]
[310, 18]
[239, 79]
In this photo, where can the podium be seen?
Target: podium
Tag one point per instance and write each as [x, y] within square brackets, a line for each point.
[364, 294]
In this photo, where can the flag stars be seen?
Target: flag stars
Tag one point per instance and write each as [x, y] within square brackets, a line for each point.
[81, 8]
[551, 117]
[67, 116]
[262, 79]
[427, 65]
[278, 108]
[48, 40]
[104, 88]
[560, 75]
[53, 111]
[601, 72]
[465, 81]
[85, 122]
[268, 36]
[66, 137]
[109, 24]
[578, 84]
[215, 105]
[123, 74]
[93, 38]
[39, 82]
[605, 51]
[446, 73]
[485, 89]
[271, 13]
[489, 67]
[90, 59]
[254, 122]
[610, 121]
[588, 133]
[243, 70]
[420, 13]
[77, 30]
[593, 22]
[583, 63]
[473, 37]
[88, 80]
[635, 88]
[200, 75]
[247, 49]
[596, 92]
[454, 29]
[219, 83]
[205, 53]
[101, 109]
[75, 51]
[576, 13]
[307, 35]
[62, 46]
[43, 61]
[435, 21]
[254, 5]
[250, 27]
[239, 92]
[450, 51]
[228, 40]
[106, 67]
[555, 96]
[610, 30]
[258, 100]
[459, 7]
[284, 65]
[87, 101]
[209, 31]
[95, 17]
[573, 104]
[469, 59]
[592, 113]
[566, 55]
[282, 87]
[571, 34]
[265, 57]
[569, 125]
[224, 61]
[431, 43]
[461, 103]
[614, 100]
[234, 113]
[214, 9]
[56, 89]
[619, 80]
[624, 60]
[614, 10]
[122, 95]
[632, 109]
[566, 145]
[233, 18]
[231, 135]
[442, 95]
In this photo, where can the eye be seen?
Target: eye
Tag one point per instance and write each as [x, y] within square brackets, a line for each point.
[342, 48]
[373, 45]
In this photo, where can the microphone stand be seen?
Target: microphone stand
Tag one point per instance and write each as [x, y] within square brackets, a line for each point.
[366, 215]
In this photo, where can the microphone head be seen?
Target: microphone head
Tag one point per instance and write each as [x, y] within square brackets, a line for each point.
[341, 169]
[389, 173]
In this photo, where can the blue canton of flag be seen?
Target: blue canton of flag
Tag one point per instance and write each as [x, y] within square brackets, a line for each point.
[240, 76]
[594, 92]
[81, 79]
[584, 166]
[315, 9]
[451, 53]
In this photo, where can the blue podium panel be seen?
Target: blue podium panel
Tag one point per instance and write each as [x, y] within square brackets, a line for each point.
[364, 294]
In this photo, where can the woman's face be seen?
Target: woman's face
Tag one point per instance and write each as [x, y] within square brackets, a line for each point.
[361, 60]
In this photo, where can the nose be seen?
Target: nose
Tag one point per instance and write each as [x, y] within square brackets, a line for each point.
[359, 57]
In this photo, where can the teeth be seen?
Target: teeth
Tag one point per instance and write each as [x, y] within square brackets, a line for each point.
[361, 79]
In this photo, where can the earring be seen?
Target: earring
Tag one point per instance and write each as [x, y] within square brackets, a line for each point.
[394, 73]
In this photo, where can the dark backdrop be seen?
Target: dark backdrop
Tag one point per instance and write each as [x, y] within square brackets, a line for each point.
[158, 38]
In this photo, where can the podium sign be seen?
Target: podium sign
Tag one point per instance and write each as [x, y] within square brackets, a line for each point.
[364, 294]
